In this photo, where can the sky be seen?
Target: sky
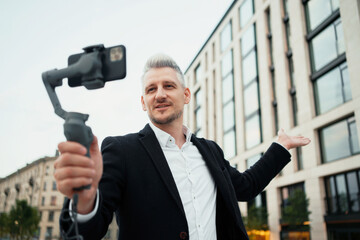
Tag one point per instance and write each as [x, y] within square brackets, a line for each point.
[39, 35]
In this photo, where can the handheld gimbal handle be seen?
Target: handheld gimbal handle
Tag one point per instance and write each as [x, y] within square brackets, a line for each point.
[75, 130]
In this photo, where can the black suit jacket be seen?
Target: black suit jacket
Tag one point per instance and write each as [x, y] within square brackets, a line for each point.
[138, 186]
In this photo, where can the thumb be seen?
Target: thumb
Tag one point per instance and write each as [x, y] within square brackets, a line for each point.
[281, 131]
[94, 145]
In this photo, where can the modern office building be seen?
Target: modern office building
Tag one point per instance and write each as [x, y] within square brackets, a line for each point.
[35, 183]
[291, 64]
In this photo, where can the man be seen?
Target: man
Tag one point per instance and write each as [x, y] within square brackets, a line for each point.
[163, 182]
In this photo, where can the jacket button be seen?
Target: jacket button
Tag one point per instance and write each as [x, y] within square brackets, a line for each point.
[183, 235]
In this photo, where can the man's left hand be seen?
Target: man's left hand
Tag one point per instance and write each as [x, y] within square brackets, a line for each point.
[290, 142]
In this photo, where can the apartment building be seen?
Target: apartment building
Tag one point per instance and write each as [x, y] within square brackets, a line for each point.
[36, 184]
[290, 64]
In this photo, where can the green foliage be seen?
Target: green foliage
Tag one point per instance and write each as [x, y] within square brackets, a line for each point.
[296, 211]
[21, 222]
[256, 218]
[4, 223]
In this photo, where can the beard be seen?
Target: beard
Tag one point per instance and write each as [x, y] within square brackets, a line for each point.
[169, 119]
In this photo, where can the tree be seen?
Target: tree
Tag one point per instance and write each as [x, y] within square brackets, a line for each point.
[295, 213]
[4, 223]
[256, 218]
[23, 221]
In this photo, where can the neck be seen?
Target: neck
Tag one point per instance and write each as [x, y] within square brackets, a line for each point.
[175, 129]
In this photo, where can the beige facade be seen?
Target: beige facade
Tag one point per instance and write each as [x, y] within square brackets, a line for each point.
[36, 184]
[291, 63]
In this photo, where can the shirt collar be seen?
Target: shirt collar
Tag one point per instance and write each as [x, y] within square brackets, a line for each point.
[165, 139]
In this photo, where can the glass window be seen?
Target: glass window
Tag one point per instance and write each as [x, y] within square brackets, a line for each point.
[199, 133]
[353, 187]
[227, 88]
[327, 45]
[354, 140]
[331, 195]
[198, 73]
[229, 144]
[319, 10]
[336, 141]
[198, 116]
[251, 98]
[341, 191]
[246, 12]
[54, 186]
[252, 160]
[346, 82]
[227, 64]
[332, 89]
[226, 36]
[228, 116]
[249, 70]
[48, 234]
[198, 98]
[252, 131]
[248, 40]
[53, 201]
[51, 216]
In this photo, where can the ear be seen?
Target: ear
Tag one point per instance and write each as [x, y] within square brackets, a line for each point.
[143, 103]
[187, 95]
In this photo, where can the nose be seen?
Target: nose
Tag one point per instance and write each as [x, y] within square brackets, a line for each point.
[160, 94]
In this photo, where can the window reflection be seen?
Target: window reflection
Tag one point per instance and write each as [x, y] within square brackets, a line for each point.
[327, 45]
[226, 36]
[252, 131]
[251, 98]
[228, 88]
[246, 12]
[249, 68]
[337, 142]
[229, 144]
[332, 89]
[248, 40]
[229, 116]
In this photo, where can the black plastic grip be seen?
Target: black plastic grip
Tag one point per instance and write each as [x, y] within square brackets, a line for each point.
[75, 130]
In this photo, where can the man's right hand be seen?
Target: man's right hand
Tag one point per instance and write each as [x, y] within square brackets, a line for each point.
[73, 169]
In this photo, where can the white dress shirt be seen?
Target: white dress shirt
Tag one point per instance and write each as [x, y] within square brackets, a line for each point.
[194, 182]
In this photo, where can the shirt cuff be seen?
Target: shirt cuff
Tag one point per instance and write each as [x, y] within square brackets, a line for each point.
[282, 146]
[82, 218]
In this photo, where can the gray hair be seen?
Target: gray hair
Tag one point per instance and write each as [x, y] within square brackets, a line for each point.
[159, 61]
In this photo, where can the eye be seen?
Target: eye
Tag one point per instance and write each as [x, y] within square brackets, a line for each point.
[150, 90]
[169, 86]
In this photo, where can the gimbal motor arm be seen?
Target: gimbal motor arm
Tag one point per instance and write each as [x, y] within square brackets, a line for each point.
[89, 68]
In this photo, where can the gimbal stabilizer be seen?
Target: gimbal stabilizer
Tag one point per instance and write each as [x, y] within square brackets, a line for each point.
[90, 69]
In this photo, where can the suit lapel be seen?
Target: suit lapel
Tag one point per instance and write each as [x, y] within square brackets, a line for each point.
[152, 146]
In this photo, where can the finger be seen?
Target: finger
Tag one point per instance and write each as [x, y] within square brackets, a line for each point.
[72, 147]
[66, 186]
[73, 172]
[68, 159]
[281, 131]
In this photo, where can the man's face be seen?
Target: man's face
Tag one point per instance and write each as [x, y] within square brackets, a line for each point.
[163, 96]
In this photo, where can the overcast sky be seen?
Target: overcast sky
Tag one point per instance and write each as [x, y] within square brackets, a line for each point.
[39, 35]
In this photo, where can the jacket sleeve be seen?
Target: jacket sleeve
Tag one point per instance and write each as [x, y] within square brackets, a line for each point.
[247, 185]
